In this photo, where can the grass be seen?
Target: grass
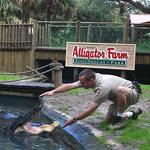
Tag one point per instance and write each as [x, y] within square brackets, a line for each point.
[136, 132]
[146, 91]
[78, 91]
[64, 109]
[145, 87]
[9, 77]
[102, 140]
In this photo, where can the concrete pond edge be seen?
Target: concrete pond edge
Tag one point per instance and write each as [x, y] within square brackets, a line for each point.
[84, 133]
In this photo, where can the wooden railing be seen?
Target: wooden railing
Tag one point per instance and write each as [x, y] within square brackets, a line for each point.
[16, 35]
[57, 33]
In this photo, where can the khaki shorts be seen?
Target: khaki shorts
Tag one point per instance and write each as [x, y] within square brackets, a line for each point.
[132, 98]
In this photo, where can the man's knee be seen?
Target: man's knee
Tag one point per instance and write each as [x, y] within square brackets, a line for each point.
[121, 91]
[121, 95]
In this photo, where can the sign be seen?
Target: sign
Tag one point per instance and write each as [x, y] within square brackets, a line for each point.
[101, 55]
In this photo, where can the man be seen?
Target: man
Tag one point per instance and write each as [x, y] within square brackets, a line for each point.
[120, 91]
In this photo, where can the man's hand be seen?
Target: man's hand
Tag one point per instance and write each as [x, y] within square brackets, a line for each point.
[49, 93]
[69, 122]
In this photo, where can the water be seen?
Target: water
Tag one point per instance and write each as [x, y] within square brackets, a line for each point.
[57, 140]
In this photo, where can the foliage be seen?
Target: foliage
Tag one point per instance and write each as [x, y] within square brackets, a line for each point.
[61, 35]
[143, 45]
[47, 10]
[84, 10]
[8, 7]
[99, 33]
[97, 10]
[140, 5]
[37, 9]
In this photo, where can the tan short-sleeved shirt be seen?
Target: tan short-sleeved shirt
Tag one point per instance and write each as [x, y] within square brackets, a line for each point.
[107, 85]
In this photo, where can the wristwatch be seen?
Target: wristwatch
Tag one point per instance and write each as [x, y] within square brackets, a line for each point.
[75, 119]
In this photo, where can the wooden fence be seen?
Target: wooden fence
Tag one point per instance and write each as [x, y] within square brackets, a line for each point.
[57, 33]
[16, 35]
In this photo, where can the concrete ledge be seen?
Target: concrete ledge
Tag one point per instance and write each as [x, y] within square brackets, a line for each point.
[25, 87]
[82, 133]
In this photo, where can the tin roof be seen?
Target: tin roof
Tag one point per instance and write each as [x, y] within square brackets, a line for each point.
[139, 18]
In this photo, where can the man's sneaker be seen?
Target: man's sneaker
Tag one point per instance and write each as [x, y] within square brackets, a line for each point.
[136, 113]
[117, 119]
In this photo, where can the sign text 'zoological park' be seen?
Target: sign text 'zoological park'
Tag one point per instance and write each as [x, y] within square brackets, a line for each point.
[109, 56]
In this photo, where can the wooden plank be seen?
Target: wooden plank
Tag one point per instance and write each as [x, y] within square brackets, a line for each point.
[49, 35]
[0, 35]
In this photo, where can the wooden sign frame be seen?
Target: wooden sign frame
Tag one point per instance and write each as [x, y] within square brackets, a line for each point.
[101, 55]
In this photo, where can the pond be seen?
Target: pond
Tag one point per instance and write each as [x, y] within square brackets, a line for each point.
[59, 139]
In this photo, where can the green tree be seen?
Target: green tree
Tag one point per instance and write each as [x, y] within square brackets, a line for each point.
[96, 10]
[8, 7]
[59, 9]
[137, 6]
[46, 9]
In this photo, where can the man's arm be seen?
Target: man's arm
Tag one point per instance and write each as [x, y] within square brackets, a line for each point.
[88, 111]
[84, 114]
[62, 88]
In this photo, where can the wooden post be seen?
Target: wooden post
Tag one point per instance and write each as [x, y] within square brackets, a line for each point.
[58, 75]
[123, 74]
[75, 70]
[89, 33]
[126, 31]
[53, 72]
[34, 44]
[49, 35]
[125, 40]
[78, 31]
[133, 34]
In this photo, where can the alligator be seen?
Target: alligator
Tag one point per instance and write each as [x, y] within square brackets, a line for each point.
[9, 123]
